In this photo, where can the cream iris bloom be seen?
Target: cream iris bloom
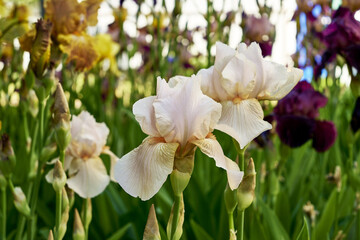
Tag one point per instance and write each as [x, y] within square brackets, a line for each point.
[87, 175]
[238, 80]
[177, 120]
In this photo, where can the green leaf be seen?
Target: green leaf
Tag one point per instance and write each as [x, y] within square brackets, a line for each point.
[304, 232]
[120, 233]
[274, 226]
[283, 209]
[199, 232]
[323, 227]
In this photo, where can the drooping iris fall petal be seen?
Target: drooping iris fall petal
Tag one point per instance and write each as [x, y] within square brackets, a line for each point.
[242, 121]
[90, 179]
[324, 135]
[144, 170]
[212, 148]
[294, 131]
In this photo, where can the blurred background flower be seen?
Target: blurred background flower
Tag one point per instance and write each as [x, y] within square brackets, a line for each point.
[296, 119]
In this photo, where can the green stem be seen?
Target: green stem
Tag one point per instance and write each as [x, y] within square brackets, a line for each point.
[241, 213]
[230, 197]
[231, 221]
[35, 194]
[58, 214]
[26, 128]
[86, 225]
[11, 185]
[22, 219]
[176, 212]
[336, 212]
[358, 224]
[59, 204]
[62, 157]
[241, 216]
[208, 29]
[3, 203]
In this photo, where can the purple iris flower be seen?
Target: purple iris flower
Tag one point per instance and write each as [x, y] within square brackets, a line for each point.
[342, 36]
[296, 119]
[343, 31]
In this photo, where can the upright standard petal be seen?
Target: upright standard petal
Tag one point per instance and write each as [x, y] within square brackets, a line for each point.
[91, 178]
[186, 113]
[143, 171]
[253, 54]
[212, 148]
[243, 121]
[205, 76]
[224, 53]
[88, 136]
[238, 78]
[144, 114]
[278, 81]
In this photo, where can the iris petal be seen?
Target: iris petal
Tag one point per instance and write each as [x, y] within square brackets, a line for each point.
[295, 130]
[143, 171]
[324, 135]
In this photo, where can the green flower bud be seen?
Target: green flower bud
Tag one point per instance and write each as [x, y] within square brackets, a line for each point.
[59, 177]
[51, 236]
[179, 181]
[61, 118]
[71, 196]
[62, 134]
[65, 200]
[63, 223]
[179, 227]
[47, 152]
[40, 51]
[45, 85]
[20, 201]
[246, 190]
[78, 232]
[152, 227]
[7, 156]
[230, 199]
[180, 176]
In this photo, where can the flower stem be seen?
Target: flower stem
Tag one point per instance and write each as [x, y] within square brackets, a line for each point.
[175, 216]
[35, 194]
[241, 213]
[241, 216]
[231, 221]
[22, 219]
[230, 204]
[208, 29]
[85, 220]
[58, 214]
[59, 203]
[358, 224]
[3, 206]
